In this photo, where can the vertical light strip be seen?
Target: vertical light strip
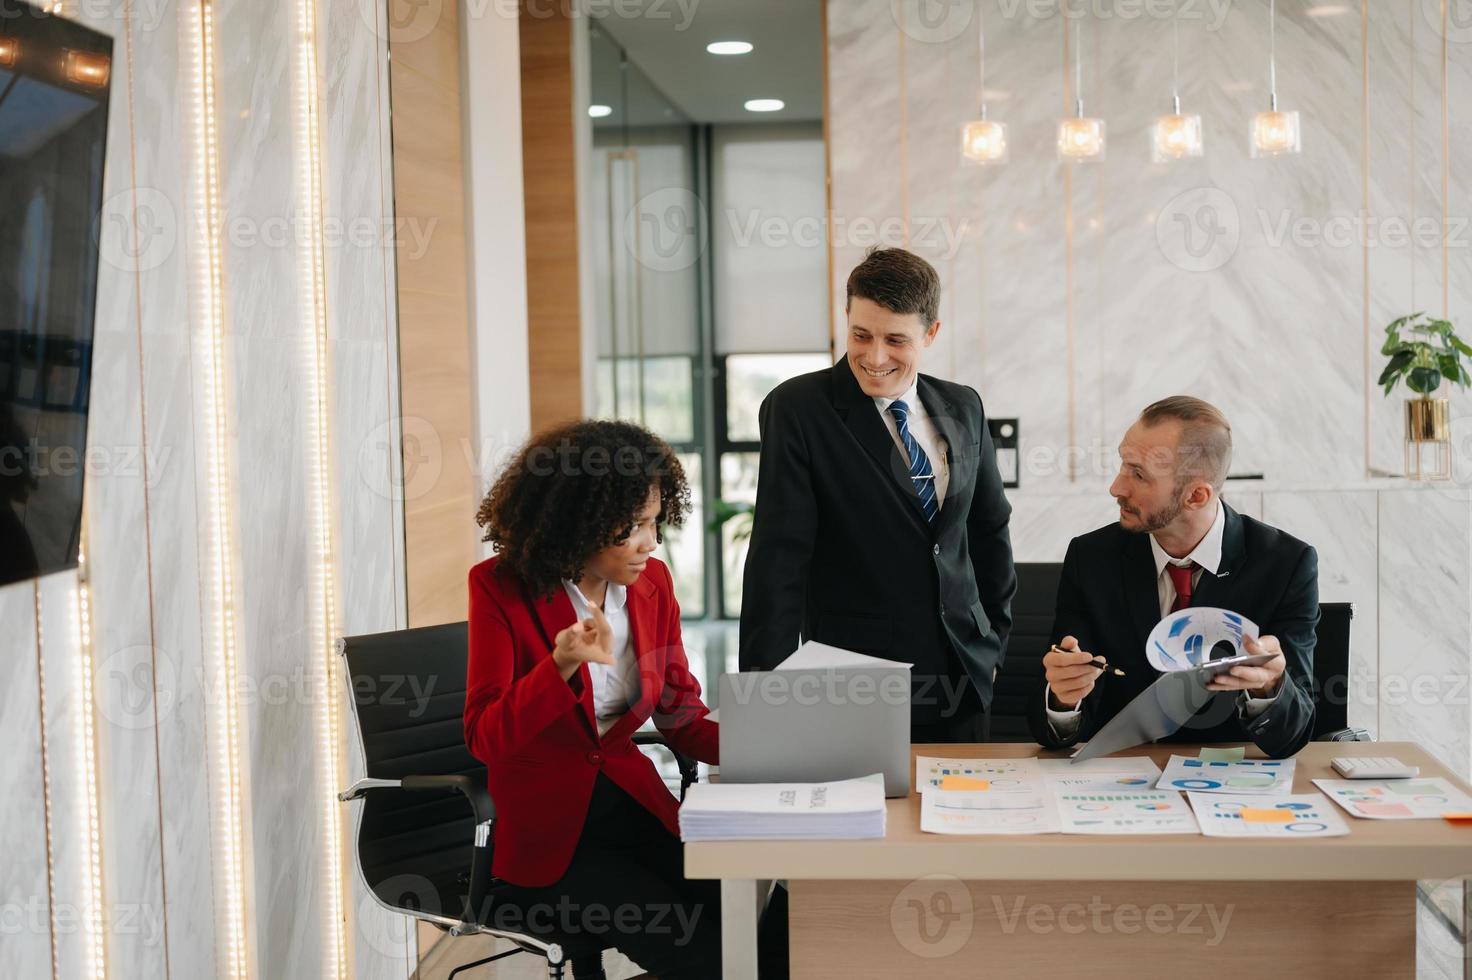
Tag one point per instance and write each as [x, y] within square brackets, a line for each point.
[94, 925]
[1411, 143]
[227, 798]
[903, 73]
[45, 781]
[828, 187]
[1069, 95]
[313, 294]
[1446, 173]
[1365, 209]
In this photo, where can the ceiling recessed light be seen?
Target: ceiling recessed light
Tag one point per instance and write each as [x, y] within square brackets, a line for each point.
[599, 111]
[764, 105]
[729, 47]
[1327, 10]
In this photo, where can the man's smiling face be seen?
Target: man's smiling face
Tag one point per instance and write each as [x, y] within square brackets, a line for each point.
[884, 347]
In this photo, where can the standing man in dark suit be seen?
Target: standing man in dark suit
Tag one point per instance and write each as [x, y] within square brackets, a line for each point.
[1177, 545]
[880, 525]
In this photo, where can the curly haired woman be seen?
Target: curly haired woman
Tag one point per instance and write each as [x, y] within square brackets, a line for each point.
[574, 644]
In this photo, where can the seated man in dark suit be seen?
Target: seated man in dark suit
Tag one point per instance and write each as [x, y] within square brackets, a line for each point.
[1177, 545]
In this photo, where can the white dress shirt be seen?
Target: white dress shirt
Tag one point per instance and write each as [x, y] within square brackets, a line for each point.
[1208, 557]
[616, 685]
[925, 433]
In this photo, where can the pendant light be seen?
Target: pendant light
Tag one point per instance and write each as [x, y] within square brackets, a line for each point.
[1274, 133]
[1175, 136]
[1080, 137]
[983, 141]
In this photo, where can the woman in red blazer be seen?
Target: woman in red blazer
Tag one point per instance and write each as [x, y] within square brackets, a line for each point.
[574, 644]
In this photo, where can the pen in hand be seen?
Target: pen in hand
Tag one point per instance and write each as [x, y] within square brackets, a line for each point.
[1098, 663]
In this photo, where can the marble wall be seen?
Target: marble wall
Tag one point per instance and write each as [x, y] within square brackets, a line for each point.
[155, 675]
[1075, 295]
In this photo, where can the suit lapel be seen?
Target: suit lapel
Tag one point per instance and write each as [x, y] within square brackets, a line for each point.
[556, 614]
[864, 423]
[1234, 551]
[1141, 592]
[957, 435]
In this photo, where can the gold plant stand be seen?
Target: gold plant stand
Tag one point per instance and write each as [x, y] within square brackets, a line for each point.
[1428, 439]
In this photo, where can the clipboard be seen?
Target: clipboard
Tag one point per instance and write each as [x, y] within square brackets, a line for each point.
[1159, 710]
[1213, 667]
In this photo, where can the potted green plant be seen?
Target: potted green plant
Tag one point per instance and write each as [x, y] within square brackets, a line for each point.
[1422, 352]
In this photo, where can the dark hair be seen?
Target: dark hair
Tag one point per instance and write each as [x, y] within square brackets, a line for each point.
[572, 491]
[899, 281]
[1205, 447]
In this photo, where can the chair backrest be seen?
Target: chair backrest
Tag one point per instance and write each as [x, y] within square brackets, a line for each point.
[1032, 628]
[1022, 672]
[408, 693]
[1331, 667]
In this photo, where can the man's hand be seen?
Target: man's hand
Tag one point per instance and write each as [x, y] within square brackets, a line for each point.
[589, 641]
[1261, 681]
[1070, 678]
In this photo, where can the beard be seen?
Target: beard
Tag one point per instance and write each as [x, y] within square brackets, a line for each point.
[1150, 523]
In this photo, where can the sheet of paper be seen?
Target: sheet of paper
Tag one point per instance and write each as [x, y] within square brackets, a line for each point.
[1000, 775]
[1257, 777]
[1396, 799]
[1300, 815]
[1129, 812]
[813, 655]
[1189, 637]
[1122, 774]
[951, 812]
[1107, 765]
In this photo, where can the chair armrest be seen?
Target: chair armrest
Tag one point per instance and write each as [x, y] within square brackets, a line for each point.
[485, 818]
[1347, 735]
[689, 768]
[480, 800]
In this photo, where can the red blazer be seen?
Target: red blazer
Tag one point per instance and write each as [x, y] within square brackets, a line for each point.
[536, 732]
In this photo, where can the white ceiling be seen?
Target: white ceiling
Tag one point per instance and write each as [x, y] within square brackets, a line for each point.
[666, 39]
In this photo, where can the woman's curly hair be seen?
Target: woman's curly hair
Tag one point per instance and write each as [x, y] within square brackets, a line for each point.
[572, 491]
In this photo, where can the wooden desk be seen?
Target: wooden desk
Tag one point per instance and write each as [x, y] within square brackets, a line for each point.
[1073, 906]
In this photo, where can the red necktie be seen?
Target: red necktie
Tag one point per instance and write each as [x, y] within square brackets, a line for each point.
[1180, 577]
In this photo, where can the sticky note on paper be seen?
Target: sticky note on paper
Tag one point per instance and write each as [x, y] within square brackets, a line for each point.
[1384, 809]
[1223, 755]
[964, 782]
[1255, 815]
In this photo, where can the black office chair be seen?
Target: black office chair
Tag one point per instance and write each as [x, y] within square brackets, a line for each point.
[1022, 671]
[426, 829]
[1331, 676]
[1032, 632]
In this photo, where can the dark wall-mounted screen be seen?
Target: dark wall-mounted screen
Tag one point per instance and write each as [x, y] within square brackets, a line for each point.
[54, 81]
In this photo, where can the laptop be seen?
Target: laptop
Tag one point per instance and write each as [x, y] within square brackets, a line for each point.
[824, 714]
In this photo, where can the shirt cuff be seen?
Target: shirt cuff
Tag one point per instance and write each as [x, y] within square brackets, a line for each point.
[1253, 707]
[1065, 724]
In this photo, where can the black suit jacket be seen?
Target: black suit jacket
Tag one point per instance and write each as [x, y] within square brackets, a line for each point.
[841, 551]
[1108, 600]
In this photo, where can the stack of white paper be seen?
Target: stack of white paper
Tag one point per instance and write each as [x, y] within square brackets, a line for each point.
[851, 809]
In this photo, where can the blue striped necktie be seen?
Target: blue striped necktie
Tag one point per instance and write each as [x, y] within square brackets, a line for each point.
[920, 473]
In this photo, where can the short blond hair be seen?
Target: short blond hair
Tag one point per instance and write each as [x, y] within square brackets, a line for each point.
[1205, 448]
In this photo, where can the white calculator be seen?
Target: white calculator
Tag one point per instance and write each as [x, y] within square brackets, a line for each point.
[1374, 768]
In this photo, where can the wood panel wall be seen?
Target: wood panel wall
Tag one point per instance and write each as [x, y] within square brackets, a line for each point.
[435, 356]
[549, 154]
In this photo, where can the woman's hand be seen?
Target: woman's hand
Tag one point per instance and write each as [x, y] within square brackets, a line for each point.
[588, 641]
